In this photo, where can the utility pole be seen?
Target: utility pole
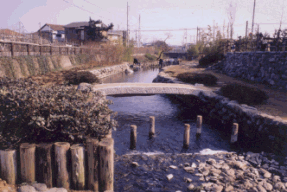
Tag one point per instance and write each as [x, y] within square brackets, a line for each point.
[253, 17]
[139, 33]
[223, 29]
[196, 35]
[246, 28]
[127, 24]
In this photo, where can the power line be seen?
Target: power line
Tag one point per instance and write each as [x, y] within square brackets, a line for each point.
[97, 6]
[81, 8]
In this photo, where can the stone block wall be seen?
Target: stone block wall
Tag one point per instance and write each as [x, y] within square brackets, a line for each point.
[262, 67]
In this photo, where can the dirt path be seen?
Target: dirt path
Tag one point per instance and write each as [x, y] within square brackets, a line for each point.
[275, 105]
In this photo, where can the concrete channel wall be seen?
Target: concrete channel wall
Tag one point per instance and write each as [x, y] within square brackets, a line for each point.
[253, 124]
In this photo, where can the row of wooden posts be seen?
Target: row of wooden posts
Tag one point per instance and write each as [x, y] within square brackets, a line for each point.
[186, 135]
[63, 165]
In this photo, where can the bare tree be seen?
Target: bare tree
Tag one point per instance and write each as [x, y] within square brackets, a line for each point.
[231, 12]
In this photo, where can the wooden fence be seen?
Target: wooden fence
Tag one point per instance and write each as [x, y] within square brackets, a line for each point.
[62, 165]
[11, 49]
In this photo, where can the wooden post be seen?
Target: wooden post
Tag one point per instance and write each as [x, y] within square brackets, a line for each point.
[78, 168]
[92, 152]
[61, 151]
[44, 164]
[12, 49]
[198, 125]
[133, 137]
[106, 164]
[59, 50]
[234, 135]
[68, 51]
[152, 126]
[40, 49]
[27, 159]
[8, 163]
[186, 136]
[51, 50]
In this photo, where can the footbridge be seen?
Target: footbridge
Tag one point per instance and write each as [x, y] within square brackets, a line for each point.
[138, 89]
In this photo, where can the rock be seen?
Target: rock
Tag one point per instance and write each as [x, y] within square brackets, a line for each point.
[57, 190]
[265, 173]
[276, 179]
[229, 188]
[27, 188]
[169, 176]
[193, 165]
[189, 169]
[279, 185]
[211, 161]
[187, 180]
[261, 188]
[84, 87]
[237, 165]
[190, 187]
[267, 186]
[129, 71]
[135, 164]
[186, 164]
[248, 184]
[173, 167]
[40, 186]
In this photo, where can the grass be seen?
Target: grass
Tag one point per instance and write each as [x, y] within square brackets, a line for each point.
[244, 94]
[201, 78]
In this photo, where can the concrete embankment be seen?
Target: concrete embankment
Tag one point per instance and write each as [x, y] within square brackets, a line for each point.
[255, 127]
[24, 66]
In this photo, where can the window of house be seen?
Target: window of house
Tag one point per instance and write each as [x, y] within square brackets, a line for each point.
[58, 35]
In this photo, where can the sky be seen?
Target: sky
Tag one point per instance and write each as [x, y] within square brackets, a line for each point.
[178, 19]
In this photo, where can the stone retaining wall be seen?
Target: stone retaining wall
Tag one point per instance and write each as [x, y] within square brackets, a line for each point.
[220, 111]
[262, 67]
[111, 70]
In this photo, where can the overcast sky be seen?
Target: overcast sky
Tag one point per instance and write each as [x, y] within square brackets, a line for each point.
[173, 15]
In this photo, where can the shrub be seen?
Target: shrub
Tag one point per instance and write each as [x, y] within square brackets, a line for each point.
[210, 59]
[150, 57]
[244, 94]
[202, 78]
[32, 113]
[77, 77]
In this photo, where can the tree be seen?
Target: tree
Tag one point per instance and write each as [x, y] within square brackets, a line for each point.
[231, 12]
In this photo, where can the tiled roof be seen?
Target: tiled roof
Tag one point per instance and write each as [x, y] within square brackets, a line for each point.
[56, 27]
[77, 24]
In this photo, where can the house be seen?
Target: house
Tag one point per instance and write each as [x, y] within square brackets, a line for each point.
[52, 32]
[82, 32]
[116, 36]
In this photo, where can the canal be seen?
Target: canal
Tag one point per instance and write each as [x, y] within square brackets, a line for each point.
[170, 117]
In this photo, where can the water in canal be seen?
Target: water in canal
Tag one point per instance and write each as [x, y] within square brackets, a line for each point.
[170, 119]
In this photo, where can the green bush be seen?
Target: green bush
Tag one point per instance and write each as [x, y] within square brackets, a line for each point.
[244, 94]
[77, 77]
[150, 57]
[32, 113]
[210, 59]
[201, 78]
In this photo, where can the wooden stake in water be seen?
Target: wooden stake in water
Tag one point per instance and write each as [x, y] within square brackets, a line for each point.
[133, 137]
[198, 125]
[186, 136]
[152, 126]
[234, 135]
